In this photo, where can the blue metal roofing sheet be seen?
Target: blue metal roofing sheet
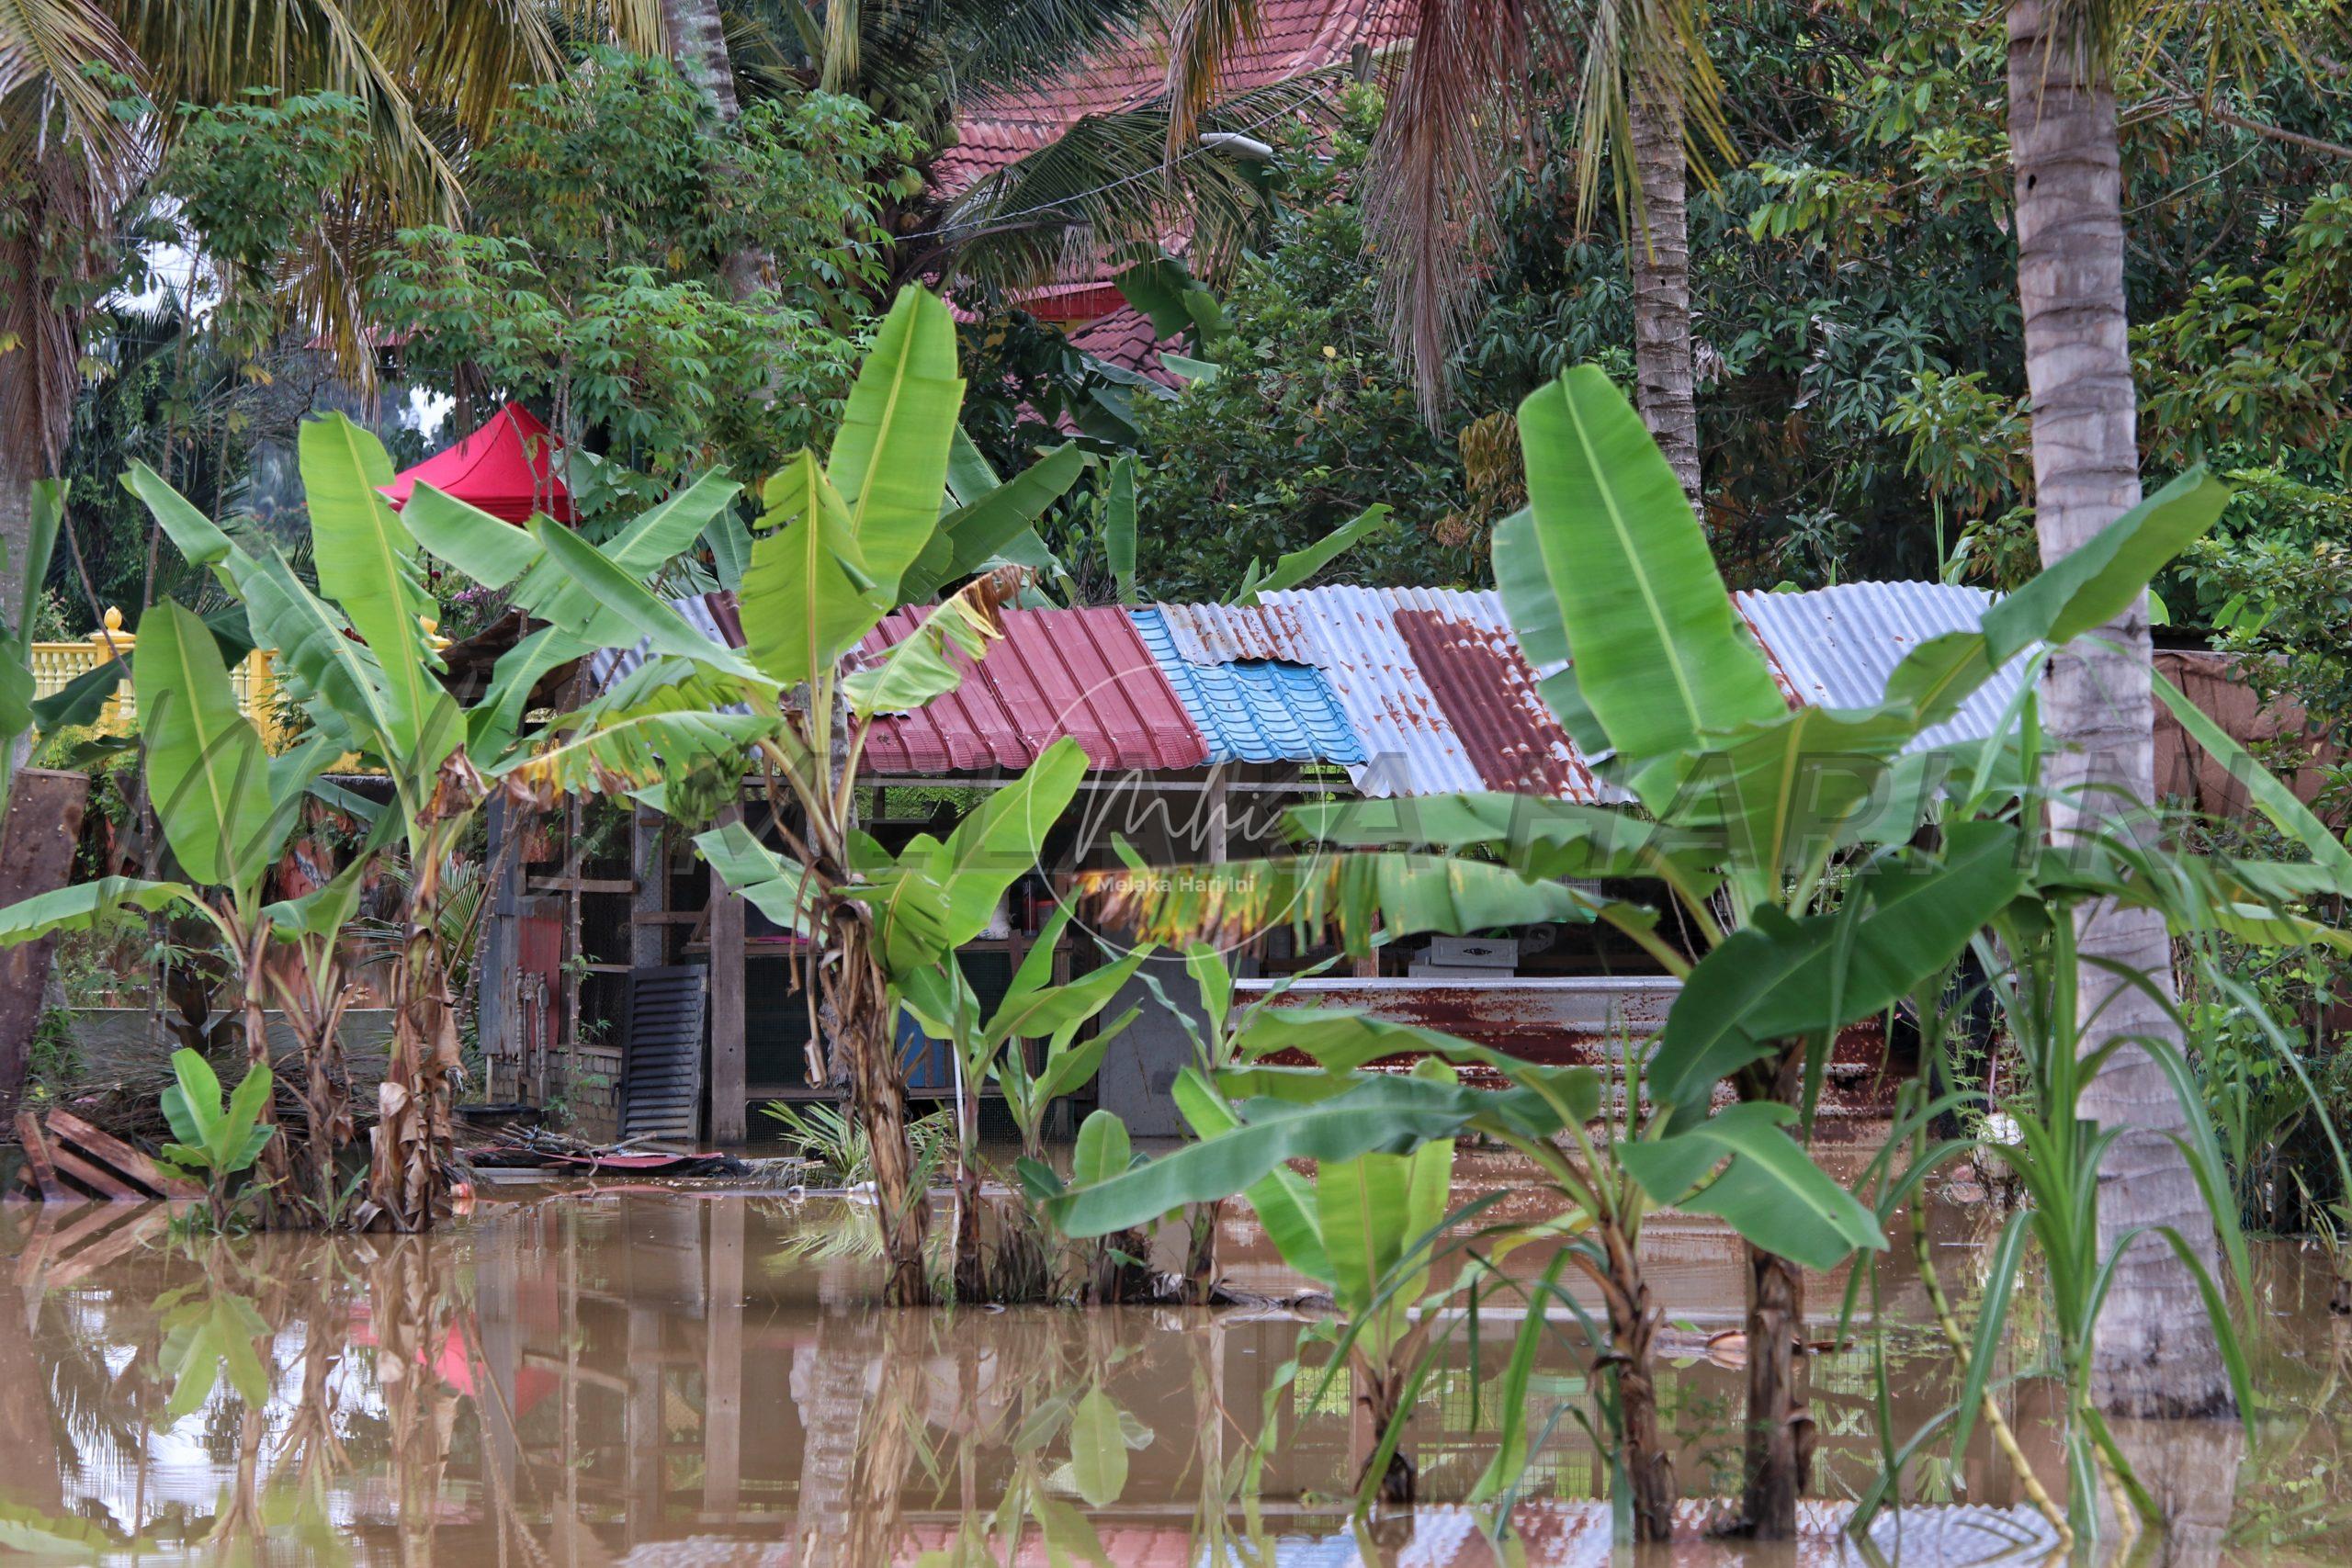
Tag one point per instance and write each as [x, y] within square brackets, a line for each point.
[1255, 710]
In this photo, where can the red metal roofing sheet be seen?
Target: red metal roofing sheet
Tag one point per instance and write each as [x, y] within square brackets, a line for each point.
[1079, 673]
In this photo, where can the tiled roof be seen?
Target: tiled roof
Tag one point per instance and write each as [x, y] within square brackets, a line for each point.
[1294, 37]
[1124, 338]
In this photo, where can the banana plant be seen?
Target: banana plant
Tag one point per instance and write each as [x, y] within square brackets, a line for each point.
[996, 1049]
[215, 1142]
[226, 809]
[1782, 835]
[840, 543]
[1253, 1118]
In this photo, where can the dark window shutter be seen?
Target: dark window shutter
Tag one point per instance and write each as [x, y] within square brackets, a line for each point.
[661, 1057]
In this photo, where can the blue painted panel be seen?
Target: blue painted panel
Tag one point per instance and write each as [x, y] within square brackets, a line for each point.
[1254, 710]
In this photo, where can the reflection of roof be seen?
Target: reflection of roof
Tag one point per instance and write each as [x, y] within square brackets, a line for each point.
[1547, 1534]
[1293, 38]
[508, 467]
[1417, 691]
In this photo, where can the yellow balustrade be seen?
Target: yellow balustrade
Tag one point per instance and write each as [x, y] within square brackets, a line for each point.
[56, 665]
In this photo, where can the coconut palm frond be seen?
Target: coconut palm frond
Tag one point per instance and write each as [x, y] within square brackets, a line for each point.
[1452, 101]
[1106, 184]
[1202, 35]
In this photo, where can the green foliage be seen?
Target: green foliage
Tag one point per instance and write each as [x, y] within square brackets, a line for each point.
[213, 1141]
[594, 278]
[1308, 422]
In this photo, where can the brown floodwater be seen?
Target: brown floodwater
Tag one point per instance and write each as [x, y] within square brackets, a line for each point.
[675, 1376]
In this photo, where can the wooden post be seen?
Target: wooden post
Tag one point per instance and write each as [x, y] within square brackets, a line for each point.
[37, 842]
[728, 1095]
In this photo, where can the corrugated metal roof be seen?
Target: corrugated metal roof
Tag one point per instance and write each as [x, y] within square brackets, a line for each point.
[1418, 691]
[1257, 710]
[1431, 679]
[1838, 646]
[1079, 673]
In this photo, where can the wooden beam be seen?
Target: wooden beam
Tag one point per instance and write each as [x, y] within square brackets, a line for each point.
[36, 1159]
[68, 1128]
[726, 1043]
[649, 898]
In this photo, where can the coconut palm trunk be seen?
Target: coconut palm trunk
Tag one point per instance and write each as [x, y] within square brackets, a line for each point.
[2154, 1353]
[697, 37]
[1665, 384]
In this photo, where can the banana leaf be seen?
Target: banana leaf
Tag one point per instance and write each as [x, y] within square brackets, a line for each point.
[1771, 1191]
[208, 774]
[1661, 658]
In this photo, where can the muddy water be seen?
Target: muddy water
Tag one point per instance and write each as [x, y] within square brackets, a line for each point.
[655, 1377]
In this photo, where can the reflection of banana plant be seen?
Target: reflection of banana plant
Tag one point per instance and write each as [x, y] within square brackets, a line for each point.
[216, 1142]
[210, 1333]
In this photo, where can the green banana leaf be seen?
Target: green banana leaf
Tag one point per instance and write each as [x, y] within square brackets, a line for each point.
[774, 885]
[1779, 977]
[625, 609]
[1525, 585]
[1283, 1199]
[920, 666]
[2269, 795]
[87, 904]
[2085, 588]
[664, 737]
[208, 774]
[1001, 839]
[1102, 1150]
[1383, 1115]
[1661, 658]
[368, 565]
[1784, 791]
[1119, 526]
[1296, 568]
[808, 596]
[890, 461]
[1771, 1191]
[973, 534]
[1536, 837]
[1048, 1009]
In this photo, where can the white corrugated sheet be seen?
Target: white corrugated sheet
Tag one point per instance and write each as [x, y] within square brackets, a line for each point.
[1838, 646]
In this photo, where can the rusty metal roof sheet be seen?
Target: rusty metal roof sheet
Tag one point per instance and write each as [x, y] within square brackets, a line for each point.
[1079, 673]
[1836, 646]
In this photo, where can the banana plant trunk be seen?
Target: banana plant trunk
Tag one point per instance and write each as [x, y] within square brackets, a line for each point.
[1380, 1391]
[867, 1049]
[1779, 1423]
[274, 1170]
[2153, 1354]
[412, 1143]
[1632, 1332]
[1664, 381]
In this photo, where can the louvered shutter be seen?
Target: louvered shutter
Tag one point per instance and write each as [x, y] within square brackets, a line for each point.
[661, 1057]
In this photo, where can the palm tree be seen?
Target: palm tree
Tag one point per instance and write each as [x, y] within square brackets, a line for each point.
[1649, 98]
[430, 73]
[2155, 1354]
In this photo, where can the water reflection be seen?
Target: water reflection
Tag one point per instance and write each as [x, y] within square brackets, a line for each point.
[661, 1378]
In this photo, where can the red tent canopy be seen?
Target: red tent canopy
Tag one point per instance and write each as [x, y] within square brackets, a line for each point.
[509, 468]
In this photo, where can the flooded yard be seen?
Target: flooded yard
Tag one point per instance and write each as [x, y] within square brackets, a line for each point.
[651, 1376]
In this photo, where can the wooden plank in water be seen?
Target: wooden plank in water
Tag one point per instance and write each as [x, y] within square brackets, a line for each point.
[124, 1239]
[103, 1146]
